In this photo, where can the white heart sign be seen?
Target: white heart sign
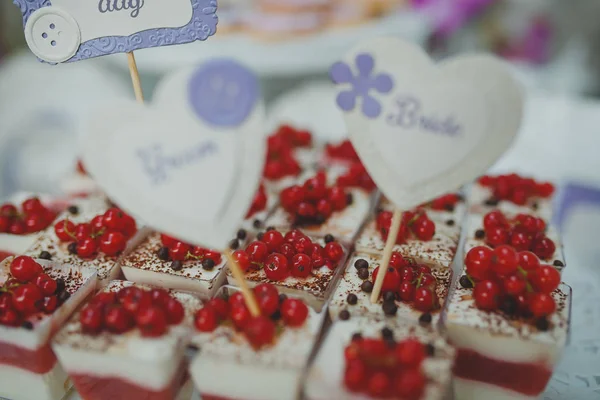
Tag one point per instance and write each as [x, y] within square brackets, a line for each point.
[189, 164]
[423, 129]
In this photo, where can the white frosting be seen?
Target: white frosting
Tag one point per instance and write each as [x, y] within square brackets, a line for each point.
[269, 373]
[472, 390]
[479, 194]
[350, 283]
[77, 183]
[325, 377]
[17, 383]
[44, 326]
[147, 362]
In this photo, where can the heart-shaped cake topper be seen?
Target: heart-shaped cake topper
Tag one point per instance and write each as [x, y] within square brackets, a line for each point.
[423, 129]
[190, 163]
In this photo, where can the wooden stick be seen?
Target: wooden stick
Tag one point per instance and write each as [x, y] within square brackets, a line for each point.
[135, 78]
[238, 274]
[387, 254]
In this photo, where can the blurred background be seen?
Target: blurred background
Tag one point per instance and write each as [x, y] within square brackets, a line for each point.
[552, 46]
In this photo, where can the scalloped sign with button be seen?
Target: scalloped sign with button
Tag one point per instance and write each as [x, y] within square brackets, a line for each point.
[60, 31]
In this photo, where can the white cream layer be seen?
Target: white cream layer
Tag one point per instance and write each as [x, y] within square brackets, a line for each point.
[20, 384]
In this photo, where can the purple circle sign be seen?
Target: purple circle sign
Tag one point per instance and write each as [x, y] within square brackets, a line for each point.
[223, 93]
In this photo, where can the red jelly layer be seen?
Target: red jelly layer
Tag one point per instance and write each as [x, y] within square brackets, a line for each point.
[96, 388]
[527, 378]
[38, 361]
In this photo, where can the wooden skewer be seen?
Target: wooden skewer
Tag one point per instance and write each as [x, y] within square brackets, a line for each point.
[238, 274]
[135, 78]
[387, 254]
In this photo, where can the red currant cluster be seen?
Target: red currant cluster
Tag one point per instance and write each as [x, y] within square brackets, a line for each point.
[260, 331]
[294, 254]
[383, 368]
[259, 203]
[511, 281]
[446, 202]
[524, 232]
[342, 151]
[81, 168]
[356, 176]
[313, 202]
[414, 224]
[404, 280]
[108, 232]
[281, 161]
[515, 188]
[29, 291]
[176, 250]
[33, 218]
[152, 311]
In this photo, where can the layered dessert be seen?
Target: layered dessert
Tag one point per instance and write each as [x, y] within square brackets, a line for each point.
[296, 263]
[364, 358]
[91, 234]
[447, 209]
[36, 297]
[166, 262]
[128, 342]
[419, 239]
[512, 193]
[411, 291]
[509, 319]
[319, 208]
[267, 354]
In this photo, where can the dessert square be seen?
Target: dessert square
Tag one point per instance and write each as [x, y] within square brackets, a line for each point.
[448, 209]
[88, 247]
[268, 356]
[28, 366]
[410, 292]
[288, 260]
[152, 262]
[339, 371]
[127, 342]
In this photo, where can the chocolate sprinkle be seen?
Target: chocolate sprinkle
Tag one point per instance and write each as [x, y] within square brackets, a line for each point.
[479, 234]
[425, 318]
[260, 235]
[367, 286]
[234, 244]
[389, 308]
[509, 306]
[241, 234]
[430, 349]
[363, 273]
[60, 285]
[465, 282]
[176, 265]
[558, 263]
[72, 248]
[27, 325]
[344, 315]
[349, 198]
[356, 336]
[270, 228]
[361, 263]
[63, 296]
[276, 316]
[73, 210]
[389, 296]
[449, 207]
[163, 253]
[492, 202]
[44, 255]
[329, 238]
[282, 297]
[352, 299]
[257, 224]
[542, 324]
[208, 264]
[535, 206]
[387, 333]
[450, 222]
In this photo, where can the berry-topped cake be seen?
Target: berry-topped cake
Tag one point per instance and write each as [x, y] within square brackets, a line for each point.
[523, 232]
[262, 205]
[36, 297]
[363, 359]
[512, 193]
[447, 209]
[319, 208]
[411, 291]
[294, 262]
[509, 318]
[420, 239]
[90, 234]
[128, 342]
[167, 262]
[253, 358]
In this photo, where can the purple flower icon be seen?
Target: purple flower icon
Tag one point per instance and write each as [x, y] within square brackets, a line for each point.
[361, 85]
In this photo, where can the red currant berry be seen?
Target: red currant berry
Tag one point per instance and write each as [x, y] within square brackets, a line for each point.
[545, 279]
[257, 251]
[478, 262]
[10, 318]
[179, 251]
[410, 353]
[428, 281]
[104, 298]
[306, 210]
[91, 318]
[334, 252]
[35, 222]
[237, 299]
[315, 188]
[268, 302]
[291, 197]
[324, 208]
[407, 274]
[303, 245]
[65, 230]
[112, 243]
[25, 269]
[514, 285]
[167, 240]
[528, 261]
[151, 321]
[273, 239]
[8, 210]
[174, 311]
[544, 189]
[505, 260]
[5, 301]
[206, 320]
[86, 248]
[276, 267]
[26, 298]
[424, 299]
[292, 236]
[46, 284]
[114, 219]
[543, 247]
[265, 289]
[494, 219]
[83, 231]
[129, 226]
[117, 319]
[136, 300]
[397, 261]
[160, 297]
[355, 376]
[486, 294]
[260, 331]
[287, 250]
[337, 197]
[391, 281]
[541, 225]
[379, 384]
[521, 241]
[213, 255]
[410, 384]
[4, 224]
[496, 236]
[33, 206]
[301, 266]
[97, 223]
[17, 227]
[294, 312]
[424, 229]
[407, 291]
[242, 259]
[240, 315]
[220, 307]
[541, 305]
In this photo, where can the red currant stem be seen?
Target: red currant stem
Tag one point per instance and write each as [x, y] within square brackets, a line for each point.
[98, 234]
[257, 264]
[190, 255]
[419, 279]
[387, 255]
[522, 271]
[529, 288]
[471, 280]
[238, 274]
[71, 234]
